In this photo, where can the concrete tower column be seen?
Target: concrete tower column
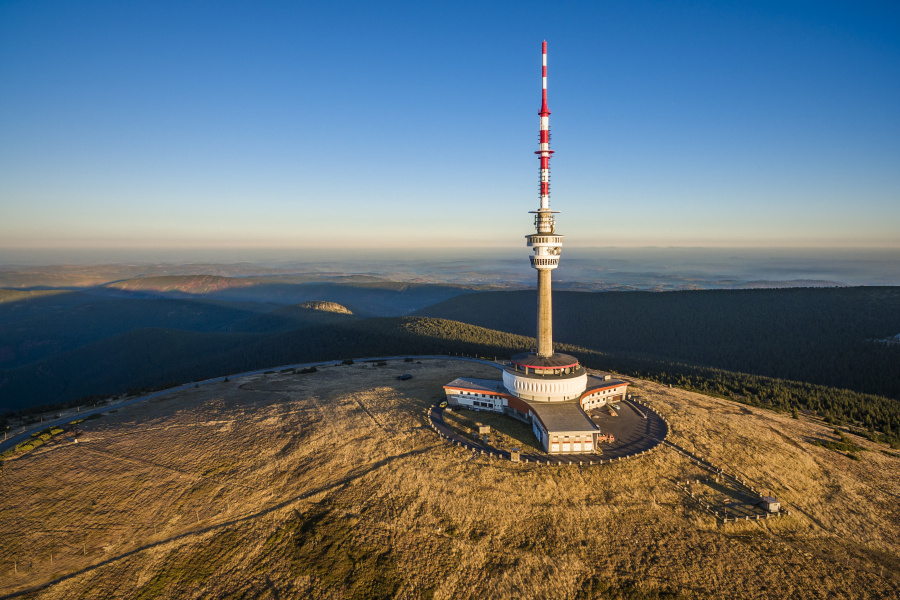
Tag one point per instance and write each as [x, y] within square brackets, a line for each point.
[545, 314]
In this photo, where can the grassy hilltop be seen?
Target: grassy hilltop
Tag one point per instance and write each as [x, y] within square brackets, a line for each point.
[327, 485]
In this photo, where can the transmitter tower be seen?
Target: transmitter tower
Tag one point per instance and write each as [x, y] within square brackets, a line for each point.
[546, 243]
[548, 389]
[545, 375]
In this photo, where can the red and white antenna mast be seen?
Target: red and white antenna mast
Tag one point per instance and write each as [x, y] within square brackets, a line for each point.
[545, 150]
[546, 243]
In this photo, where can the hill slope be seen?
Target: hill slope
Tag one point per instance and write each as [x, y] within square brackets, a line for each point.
[32, 337]
[188, 284]
[361, 295]
[287, 318]
[328, 485]
[136, 359]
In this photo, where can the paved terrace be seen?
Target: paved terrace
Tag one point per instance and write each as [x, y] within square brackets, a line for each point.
[638, 429]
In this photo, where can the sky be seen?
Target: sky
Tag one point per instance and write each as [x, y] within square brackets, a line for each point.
[382, 125]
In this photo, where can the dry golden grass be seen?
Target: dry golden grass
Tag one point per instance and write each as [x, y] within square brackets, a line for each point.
[506, 433]
[329, 485]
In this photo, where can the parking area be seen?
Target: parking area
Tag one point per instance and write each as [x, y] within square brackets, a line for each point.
[636, 429]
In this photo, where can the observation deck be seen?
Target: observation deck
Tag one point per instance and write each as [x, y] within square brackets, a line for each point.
[554, 378]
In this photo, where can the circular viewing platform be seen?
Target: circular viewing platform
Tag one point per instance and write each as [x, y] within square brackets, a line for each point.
[553, 378]
[556, 365]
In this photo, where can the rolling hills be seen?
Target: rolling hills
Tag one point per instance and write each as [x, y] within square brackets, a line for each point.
[363, 295]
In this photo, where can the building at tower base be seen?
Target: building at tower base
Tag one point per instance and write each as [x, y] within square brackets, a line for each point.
[561, 426]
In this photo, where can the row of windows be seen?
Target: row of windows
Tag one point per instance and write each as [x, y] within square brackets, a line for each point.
[588, 446]
[474, 394]
[602, 392]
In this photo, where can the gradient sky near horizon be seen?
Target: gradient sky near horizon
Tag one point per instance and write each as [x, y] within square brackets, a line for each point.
[413, 124]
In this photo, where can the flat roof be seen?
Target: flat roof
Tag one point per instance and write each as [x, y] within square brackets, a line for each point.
[472, 383]
[562, 416]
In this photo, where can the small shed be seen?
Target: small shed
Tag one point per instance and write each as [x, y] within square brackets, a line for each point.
[770, 503]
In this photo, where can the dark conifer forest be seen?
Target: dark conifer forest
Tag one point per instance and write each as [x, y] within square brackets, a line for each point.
[816, 335]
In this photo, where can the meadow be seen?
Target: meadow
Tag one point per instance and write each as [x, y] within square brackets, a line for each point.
[330, 485]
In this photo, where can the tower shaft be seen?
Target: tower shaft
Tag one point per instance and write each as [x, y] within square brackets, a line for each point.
[545, 314]
[546, 243]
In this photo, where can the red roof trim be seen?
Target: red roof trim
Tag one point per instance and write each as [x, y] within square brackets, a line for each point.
[474, 391]
[600, 389]
[574, 364]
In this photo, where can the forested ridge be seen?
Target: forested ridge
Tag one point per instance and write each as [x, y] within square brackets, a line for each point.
[792, 349]
[816, 335]
[154, 358]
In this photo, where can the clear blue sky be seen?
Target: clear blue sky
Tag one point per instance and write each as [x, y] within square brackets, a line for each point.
[391, 124]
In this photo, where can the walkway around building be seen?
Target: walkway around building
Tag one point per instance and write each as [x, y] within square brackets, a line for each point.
[649, 432]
